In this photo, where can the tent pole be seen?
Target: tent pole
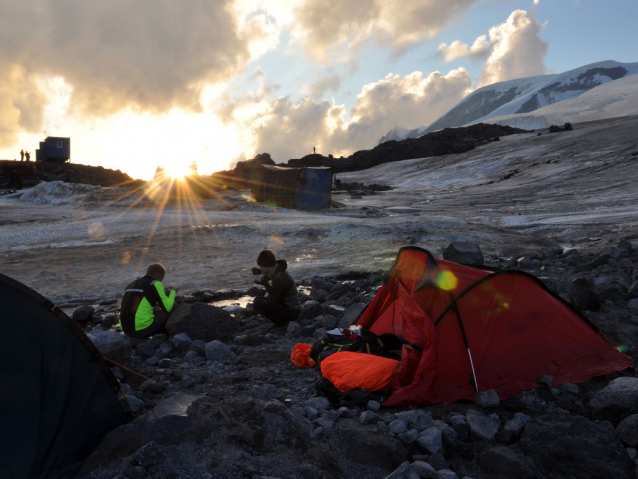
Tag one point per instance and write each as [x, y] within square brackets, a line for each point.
[472, 364]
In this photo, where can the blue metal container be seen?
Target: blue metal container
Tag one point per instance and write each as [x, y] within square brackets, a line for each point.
[54, 148]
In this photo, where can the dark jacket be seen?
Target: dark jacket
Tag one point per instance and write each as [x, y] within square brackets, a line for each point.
[281, 287]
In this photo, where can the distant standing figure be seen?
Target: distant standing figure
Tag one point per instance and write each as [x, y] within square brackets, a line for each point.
[28, 156]
[21, 155]
[314, 150]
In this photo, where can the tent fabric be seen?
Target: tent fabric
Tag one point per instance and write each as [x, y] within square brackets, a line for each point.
[293, 188]
[58, 396]
[516, 330]
[300, 356]
[348, 370]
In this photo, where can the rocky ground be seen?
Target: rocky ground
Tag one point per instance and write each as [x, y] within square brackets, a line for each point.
[228, 402]
[224, 400]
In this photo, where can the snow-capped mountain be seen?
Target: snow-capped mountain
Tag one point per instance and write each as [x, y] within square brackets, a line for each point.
[522, 96]
[611, 100]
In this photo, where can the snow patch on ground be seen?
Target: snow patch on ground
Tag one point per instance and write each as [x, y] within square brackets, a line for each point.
[66, 244]
[57, 193]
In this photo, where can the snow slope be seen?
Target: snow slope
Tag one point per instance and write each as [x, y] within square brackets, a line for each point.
[610, 100]
[522, 95]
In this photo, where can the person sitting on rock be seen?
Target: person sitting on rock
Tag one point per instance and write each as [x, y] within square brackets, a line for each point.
[138, 318]
[282, 303]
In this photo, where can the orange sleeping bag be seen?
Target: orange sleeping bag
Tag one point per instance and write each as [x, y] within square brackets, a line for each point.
[348, 371]
[300, 356]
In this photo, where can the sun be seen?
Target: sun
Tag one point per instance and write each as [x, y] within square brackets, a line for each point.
[179, 171]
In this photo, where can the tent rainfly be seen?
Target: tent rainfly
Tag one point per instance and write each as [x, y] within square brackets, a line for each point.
[293, 188]
[58, 396]
[470, 330]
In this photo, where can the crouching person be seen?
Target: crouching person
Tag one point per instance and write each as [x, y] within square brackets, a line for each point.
[282, 304]
[137, 316]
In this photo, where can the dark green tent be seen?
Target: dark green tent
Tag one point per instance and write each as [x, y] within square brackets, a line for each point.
[58, 396]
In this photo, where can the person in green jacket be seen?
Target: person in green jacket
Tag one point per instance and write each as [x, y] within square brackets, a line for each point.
[137, 316]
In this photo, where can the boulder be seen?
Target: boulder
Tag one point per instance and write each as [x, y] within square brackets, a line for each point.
[111, 345]
[310, 309]
[368, 417]
[217, 351]
[464, 253]
[502, 460]
[513, 428]
[83, 314]
[148, 347]
[202, 321]
[617, 400]
[481, 426]
[627, 430]
[423, 469]
[585, 298]
[430, 440]
[350, 315]
[573, 446]
[365, 447]
[445, 474]
[182, 342]
[404, 471]
[486, 399]
[293, 329]
[546, 381]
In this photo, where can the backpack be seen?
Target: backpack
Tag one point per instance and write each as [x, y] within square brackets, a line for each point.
[356, 340]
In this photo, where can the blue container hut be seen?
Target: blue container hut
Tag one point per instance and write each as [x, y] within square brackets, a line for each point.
[54, 148]
[293, 188]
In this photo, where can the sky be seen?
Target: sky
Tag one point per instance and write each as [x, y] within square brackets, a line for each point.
[138, 84]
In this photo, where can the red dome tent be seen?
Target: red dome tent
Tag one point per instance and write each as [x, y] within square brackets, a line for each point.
[472, 330]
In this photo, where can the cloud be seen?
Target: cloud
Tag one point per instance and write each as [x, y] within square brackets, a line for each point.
[517, 49]
[288, 129]
[331, 81]
[153, 55]
[480, 49]
[323, 27]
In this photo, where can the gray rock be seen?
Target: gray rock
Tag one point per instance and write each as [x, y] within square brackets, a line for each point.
[318, 402]
[335, 310]
[83, 314]
[130, 401]
[585, 298]
[430, 440]
[330, 321]
[398, 426]
[350, 314]
[408, 437]
[617, 400]
[633, 454]
[324, 422]
[293, 329]
[462, 429]
[627, 430]
[267, 391]
[373, 406]
[187, 382]
[404, 471]
[383, 427]
[502, 460]
[182, 342]
[345, 412]
[147, 348]
[572, 446]
[310, 309]
[546, 381]
[513, 428]
[450, 436]
[464, 253]
[365, 447]
[423, 469]
[368, 417]
[570, 388]
[445, 474]
[199, 347]
[633, 304]
[111, 345]
[193, 358]
[318, 333]
[149, 455]
[202, 321]
[135, 472]
[319, 295]
[217, 351]
[486, 399]
[311, 413]
[481, 426]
